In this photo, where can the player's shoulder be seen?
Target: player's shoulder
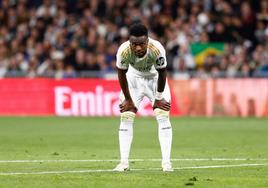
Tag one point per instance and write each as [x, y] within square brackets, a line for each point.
[124, 48]
[156, 46]
[155, 42]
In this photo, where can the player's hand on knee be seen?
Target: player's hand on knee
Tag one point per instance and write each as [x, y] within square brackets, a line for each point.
[162, 104]
[127, 105]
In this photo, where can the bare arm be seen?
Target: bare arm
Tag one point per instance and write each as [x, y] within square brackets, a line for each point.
[160, 102]
[128, 104]
[123, 82]
[162, 76]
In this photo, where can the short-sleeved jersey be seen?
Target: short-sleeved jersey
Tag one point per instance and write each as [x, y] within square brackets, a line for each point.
[155, 58]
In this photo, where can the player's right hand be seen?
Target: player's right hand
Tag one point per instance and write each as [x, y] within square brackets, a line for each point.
[127, 105]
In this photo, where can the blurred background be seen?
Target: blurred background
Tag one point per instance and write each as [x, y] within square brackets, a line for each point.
[217, 54]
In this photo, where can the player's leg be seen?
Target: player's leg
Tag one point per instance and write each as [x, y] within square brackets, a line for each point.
[125, 139]
[165, 137]
[126, 128]
[164, 125]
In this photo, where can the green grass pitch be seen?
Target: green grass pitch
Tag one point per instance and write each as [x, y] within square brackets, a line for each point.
[60, 152]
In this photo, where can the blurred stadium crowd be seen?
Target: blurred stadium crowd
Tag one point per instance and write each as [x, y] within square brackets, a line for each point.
[68, 38]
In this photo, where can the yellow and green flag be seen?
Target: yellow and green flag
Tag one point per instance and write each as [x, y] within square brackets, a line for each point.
[201, 50]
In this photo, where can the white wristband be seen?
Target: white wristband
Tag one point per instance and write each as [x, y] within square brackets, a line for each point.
[158, 95]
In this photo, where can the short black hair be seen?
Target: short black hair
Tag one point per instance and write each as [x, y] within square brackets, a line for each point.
[138, 30]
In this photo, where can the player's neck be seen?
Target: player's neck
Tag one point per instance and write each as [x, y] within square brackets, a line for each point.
[142, 57]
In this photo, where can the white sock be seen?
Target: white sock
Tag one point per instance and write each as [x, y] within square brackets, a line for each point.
[165, 137]
[125, 139]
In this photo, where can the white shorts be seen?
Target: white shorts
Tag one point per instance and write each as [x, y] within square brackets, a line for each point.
[140, 87]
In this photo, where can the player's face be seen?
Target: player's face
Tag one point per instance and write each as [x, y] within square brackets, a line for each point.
[138, 45]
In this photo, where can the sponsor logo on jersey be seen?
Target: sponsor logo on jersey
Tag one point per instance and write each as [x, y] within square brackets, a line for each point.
[144, 69]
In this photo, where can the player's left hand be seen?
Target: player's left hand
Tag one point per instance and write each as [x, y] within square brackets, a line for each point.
[162, 104]
[127, 105]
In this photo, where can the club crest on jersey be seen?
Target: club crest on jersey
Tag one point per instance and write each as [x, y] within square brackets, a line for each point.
[160, 61]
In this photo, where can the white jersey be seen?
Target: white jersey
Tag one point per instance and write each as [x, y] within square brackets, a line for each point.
[155, 58]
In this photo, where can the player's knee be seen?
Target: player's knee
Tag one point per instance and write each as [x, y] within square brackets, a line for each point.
[128, 116]
[162, 118]
[159, 113]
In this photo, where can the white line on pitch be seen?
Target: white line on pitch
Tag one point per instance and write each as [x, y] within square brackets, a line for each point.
[207, 167]
[220, 166]
[134, 160]
[110, 170]
[55, 172]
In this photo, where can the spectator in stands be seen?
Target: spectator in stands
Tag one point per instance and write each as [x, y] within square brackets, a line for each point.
[82, 30]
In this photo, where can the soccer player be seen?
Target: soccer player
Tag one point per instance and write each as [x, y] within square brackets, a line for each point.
[141, 63]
